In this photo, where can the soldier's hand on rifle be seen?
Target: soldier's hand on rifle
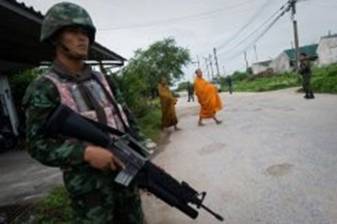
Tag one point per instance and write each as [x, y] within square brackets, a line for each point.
[101, 158]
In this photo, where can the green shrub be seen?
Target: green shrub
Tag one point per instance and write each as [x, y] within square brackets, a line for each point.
[53, 209]
[150, 123]
[19, 84]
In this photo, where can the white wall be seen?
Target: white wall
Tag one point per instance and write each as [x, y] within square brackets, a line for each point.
[327, 51]
[258, 68]
[281, 63]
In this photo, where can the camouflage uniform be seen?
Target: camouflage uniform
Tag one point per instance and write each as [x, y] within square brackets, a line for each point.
[305, 71]
[94, 195]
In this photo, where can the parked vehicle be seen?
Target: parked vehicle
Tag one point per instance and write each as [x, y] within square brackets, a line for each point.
[9, 121]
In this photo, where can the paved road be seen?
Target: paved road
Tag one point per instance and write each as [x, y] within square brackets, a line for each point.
[22, 178]
[272, 161]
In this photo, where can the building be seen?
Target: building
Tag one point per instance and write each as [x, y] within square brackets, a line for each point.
[327, 50]
[261, 67]
[285, 62]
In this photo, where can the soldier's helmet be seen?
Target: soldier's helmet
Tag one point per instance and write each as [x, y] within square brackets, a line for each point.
[66, 14]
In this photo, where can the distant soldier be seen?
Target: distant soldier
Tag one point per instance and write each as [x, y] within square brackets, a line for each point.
[88, 170]
[190, 92]
[229, 83]
[305, 71]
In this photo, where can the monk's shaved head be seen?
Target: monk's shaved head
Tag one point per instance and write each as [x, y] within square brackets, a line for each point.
[198, 72]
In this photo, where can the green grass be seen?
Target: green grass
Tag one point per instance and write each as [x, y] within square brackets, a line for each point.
[53, 209]
[260, 84]
[324, 80]
[150, 123]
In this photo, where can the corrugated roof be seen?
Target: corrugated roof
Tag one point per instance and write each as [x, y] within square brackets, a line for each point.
[310, 50]
[23, 6]
[329, 36]
[264, 63]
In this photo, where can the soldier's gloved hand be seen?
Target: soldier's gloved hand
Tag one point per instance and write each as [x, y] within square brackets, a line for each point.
[101, 158]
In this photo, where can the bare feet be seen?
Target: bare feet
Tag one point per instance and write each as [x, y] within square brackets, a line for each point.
[176, 128]
[200, 124]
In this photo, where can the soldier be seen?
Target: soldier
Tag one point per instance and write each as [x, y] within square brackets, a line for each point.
[190, 92]
[229, 83]
[305, 71]
[88, 170]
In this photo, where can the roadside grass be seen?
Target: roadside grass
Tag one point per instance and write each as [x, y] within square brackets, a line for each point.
[274, 82]
[52, 209]
[150, 123]
[324, 80]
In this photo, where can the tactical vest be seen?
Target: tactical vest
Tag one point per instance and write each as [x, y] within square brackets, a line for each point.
[71, 95]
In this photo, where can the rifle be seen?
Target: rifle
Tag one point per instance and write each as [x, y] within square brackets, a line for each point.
[138, 168]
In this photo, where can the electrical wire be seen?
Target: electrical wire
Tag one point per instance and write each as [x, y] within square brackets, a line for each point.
[242, 29]
[177, 19]
[280, 10]
[258, 37]
[284, 8]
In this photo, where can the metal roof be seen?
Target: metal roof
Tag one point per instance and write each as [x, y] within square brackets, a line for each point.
[330, 36]
[310, 50]
[263, 63]
[19, 40]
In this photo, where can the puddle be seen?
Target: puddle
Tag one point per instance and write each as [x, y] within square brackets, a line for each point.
[211, 148]
[279, 170]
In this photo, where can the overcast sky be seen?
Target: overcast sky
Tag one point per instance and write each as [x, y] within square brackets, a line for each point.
[126, 25]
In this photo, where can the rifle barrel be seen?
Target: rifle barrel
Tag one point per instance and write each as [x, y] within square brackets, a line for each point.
[217, 216]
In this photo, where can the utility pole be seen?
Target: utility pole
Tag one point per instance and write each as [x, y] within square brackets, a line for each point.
[224, 71]
[207, 69]
[293, 13]
[211, 65]
[255, 50]
[246, 60]
[198, 61]
[216, 63]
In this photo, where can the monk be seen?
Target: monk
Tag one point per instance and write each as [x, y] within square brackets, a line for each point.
[208, 98]
[167, 102]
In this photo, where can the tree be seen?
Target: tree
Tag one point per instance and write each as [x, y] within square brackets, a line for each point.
[163, 59]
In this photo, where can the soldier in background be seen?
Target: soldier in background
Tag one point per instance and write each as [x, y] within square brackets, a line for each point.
[190, 92]
[88, 170]
[229, 83]
[305, 71]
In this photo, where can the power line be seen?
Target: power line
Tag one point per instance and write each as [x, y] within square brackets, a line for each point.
[250, 21]
[265, 30]
[177, 19]
[281, 9]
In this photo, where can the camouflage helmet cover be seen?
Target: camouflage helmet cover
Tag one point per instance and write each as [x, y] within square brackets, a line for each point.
[66, 14]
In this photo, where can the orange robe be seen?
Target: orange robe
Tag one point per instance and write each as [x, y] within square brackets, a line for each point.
[208, 98]
[167, 102]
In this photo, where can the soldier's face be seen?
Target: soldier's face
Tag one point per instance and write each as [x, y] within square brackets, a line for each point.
[76, 43]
